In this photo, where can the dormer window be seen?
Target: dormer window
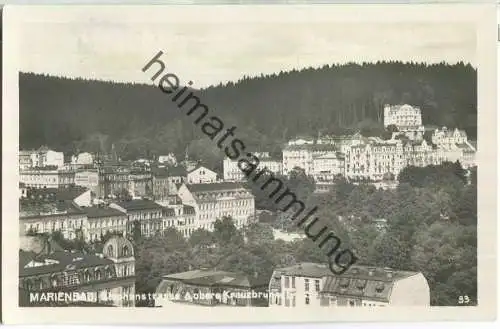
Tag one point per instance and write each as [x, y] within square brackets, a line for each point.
[379, 287]
[361, 284]
[344, 283]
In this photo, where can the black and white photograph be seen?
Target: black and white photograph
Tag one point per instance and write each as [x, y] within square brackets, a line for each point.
[315, 161]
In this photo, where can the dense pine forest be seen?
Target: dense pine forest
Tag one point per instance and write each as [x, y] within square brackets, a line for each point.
[76, 114]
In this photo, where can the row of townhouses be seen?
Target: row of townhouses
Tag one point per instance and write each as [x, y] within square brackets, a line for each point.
[73, 212]
[371, 158]
[107, 181]
[304, 285]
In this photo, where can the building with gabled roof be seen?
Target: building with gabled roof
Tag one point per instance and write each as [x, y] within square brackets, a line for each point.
[201, 175]
[217, 200]
[314, 285]
[210, 287]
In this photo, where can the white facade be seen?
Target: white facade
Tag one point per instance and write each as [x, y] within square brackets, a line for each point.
[168, 159]
[301, 141]
[449, 137]
[214, 201]
[326, 167]
[302, 156]
[46, 178]
[201, 175]
[25, 161]
[233, 173]
[402, 116]
[45, 157]
[374, 160]
[88, 179]
[310, 285]
[84, 158]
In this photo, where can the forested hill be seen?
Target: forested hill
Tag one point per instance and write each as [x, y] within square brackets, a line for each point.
[77, 114]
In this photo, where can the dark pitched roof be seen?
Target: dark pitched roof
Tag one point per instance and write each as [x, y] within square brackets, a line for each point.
[63, 193]
[96, 212]
[59, 261]
[207, 187]
[215, 278]
[312, 270]
[177, 171]
[138, 205]
[159, 172]
[361, 281]
[36, 209]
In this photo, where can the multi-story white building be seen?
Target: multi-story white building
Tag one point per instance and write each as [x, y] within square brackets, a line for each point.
[233, 173]
[63, 216]
[214, 201]
[314, 285]
[453, 145]
[302, 156]
[88, 179]
[404, 117]
[181, 217]
[449, 137]
[102, 220]
[420, 153]
[25, 161]
[201, 175]
[168, 159]
[326, 167]
[41, 157]
[39, 178]
[82, 159]
[145, 213]
[374, 160]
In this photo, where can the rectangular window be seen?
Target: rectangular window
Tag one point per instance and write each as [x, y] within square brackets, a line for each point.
[287, 282]
[307, 299]
[316, 283]
[293, 282]
[306, 282]
[293, 300]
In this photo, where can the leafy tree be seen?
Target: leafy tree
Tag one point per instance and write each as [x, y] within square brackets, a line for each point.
[259, 233]
[202, 237]
[225, 231]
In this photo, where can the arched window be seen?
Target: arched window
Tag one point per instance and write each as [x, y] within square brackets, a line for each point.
[109, 273]
[126, 251]
[53, 281]
[28, 284]
[97, 274]
[86, 276]
[110, 250]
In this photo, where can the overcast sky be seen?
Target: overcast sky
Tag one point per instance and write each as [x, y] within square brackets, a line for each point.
[115, 47]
